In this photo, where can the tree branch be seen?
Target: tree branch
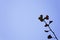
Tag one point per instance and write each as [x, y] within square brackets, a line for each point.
[51, 30]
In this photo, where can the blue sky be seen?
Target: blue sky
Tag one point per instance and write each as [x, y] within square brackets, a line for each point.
[19, 19]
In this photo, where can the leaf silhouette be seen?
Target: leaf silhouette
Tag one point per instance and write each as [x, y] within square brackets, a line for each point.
[46, 25]
[49, 37]
[50, 22]
[47, 17]
[46, 30]
[41, 18]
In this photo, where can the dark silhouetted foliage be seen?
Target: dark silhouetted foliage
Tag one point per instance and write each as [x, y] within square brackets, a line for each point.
[46, 30]
[47, 17]
[47, 25]
[50, 22]
[49, 37]
[41, 18]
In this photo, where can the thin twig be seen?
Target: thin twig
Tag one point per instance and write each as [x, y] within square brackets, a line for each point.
[51, 31]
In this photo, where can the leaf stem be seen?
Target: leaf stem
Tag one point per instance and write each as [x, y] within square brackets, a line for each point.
[51, 30]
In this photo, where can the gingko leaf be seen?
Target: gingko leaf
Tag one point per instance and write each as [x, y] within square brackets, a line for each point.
[41, 18]
[47, 17]
[49, 37]
[46, 30]
[50, 22]
[46, 25]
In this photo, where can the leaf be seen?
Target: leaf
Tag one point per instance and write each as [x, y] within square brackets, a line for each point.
[46, 25]
[47, 17]
[41, 18]
[50, 22]
[46, 30]
[49, 37]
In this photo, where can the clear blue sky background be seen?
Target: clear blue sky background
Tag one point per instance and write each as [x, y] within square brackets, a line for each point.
[19, 19]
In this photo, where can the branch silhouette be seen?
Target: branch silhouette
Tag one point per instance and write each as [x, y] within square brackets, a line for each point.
[47, 25]
[51, 30]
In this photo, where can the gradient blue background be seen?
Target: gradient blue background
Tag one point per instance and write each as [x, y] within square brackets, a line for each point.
[19, 19]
